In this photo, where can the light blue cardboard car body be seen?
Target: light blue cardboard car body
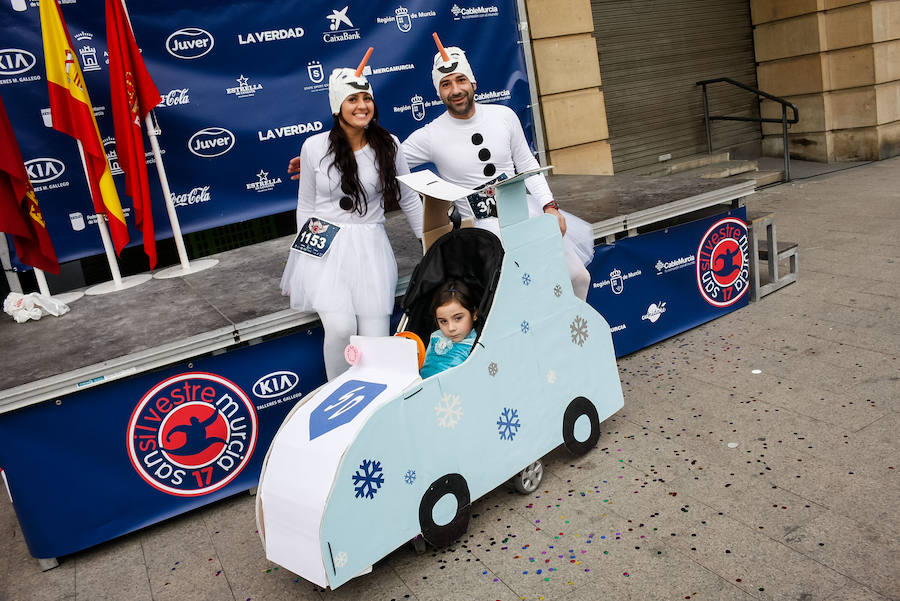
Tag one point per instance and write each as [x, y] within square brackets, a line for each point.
[420, 451]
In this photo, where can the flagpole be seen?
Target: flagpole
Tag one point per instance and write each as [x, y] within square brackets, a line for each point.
[186, 266]
[117, 283]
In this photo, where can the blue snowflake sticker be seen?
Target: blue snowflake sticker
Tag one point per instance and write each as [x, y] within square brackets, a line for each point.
[508, 424]
[525, 327]
[367, 482]
[526, 279]
[410, 476]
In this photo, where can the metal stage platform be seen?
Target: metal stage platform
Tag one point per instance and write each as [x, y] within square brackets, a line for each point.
[109, 337]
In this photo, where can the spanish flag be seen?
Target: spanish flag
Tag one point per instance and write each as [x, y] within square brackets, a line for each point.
[73, 115]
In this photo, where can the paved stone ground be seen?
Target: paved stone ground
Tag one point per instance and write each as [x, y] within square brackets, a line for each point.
[804, 507]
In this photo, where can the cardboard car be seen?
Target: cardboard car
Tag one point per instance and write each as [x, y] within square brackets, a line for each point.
[378, 455]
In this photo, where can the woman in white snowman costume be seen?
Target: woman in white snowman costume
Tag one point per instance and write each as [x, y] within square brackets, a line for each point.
[341, 264]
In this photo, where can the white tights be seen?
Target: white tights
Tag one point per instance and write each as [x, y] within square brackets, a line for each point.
[581, 278]
[338, 329]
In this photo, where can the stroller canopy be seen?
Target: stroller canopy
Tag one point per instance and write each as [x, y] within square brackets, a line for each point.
[471, 255]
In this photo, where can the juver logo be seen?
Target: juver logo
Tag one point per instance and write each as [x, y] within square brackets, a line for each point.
[211, 142]
[722, 265]
[190, 43]
[192, 434]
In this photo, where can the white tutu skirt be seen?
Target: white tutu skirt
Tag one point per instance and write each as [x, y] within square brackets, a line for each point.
[357, 275]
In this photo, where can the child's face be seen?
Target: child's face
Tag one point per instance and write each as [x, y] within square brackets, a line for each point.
[454, 320]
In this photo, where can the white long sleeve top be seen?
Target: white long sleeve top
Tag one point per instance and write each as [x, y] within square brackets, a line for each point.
[320, 187]
[471, 152]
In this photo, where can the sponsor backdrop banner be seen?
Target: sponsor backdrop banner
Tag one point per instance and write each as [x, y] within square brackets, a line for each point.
[243, 85]
[102, 462]
[653, 286]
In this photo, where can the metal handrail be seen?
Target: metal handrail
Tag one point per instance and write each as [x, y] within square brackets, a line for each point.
[784, 119]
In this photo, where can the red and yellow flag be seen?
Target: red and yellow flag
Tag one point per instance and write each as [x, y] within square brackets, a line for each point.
[20, 215]
[133, 96]
[73, 115]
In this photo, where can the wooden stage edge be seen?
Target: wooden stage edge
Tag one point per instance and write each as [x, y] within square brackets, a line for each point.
[164, 322]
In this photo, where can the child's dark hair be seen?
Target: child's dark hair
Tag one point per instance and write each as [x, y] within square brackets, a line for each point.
[453, 290]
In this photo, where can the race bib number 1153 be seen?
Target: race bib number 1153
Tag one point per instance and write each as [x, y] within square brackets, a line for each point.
[315, 237]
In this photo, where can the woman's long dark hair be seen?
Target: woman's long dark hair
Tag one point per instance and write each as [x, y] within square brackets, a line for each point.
[385, 156]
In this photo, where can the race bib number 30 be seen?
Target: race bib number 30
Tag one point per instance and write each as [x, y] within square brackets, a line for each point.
[315, 237]
[483, 203]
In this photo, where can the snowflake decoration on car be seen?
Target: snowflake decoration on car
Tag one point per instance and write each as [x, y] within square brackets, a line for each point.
[525, 327]
[557, 290]
[526, 279]
[410, 476]
[367, 482]
[493, 369]
[340, 560]
[508, 424]
[448, 411]
[579, 329]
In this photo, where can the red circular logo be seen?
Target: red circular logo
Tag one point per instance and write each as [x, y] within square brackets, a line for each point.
[723, 272]
[192, 434]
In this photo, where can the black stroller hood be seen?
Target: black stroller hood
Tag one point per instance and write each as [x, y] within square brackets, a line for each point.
[471, 254]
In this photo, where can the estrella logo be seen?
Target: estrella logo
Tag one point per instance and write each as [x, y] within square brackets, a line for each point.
[192, 434]
[342, 406]
[722, 262]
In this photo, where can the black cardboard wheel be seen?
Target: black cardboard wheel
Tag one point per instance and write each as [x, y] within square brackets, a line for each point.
[578, 407]
[444, 534]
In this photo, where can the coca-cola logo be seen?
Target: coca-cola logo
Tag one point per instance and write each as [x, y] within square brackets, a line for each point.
[175, 97]
[197, 195]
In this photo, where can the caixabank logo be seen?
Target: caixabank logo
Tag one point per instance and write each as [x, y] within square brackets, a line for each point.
[722, 263]
[192, 434]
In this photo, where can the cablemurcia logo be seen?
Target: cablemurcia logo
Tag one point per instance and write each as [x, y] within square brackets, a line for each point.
[722, 266]
[192, 434]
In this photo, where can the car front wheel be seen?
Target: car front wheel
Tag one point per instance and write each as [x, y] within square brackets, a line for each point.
[444, 510]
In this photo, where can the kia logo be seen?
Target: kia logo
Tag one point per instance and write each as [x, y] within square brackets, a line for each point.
[275, 384]
[211, 142]
[190, 43]
[15, 60]
[44, 169]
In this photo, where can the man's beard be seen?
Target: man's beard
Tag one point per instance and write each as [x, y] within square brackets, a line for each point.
[465, 109]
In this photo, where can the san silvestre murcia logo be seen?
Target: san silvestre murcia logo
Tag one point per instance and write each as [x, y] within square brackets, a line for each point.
[192, 434]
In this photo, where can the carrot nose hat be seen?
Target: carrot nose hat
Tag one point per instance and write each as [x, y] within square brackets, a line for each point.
[344, 82]
[449, 61]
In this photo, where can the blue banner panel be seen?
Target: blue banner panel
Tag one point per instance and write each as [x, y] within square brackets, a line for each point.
[653, 286]
[108, 460]
[243, 85]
